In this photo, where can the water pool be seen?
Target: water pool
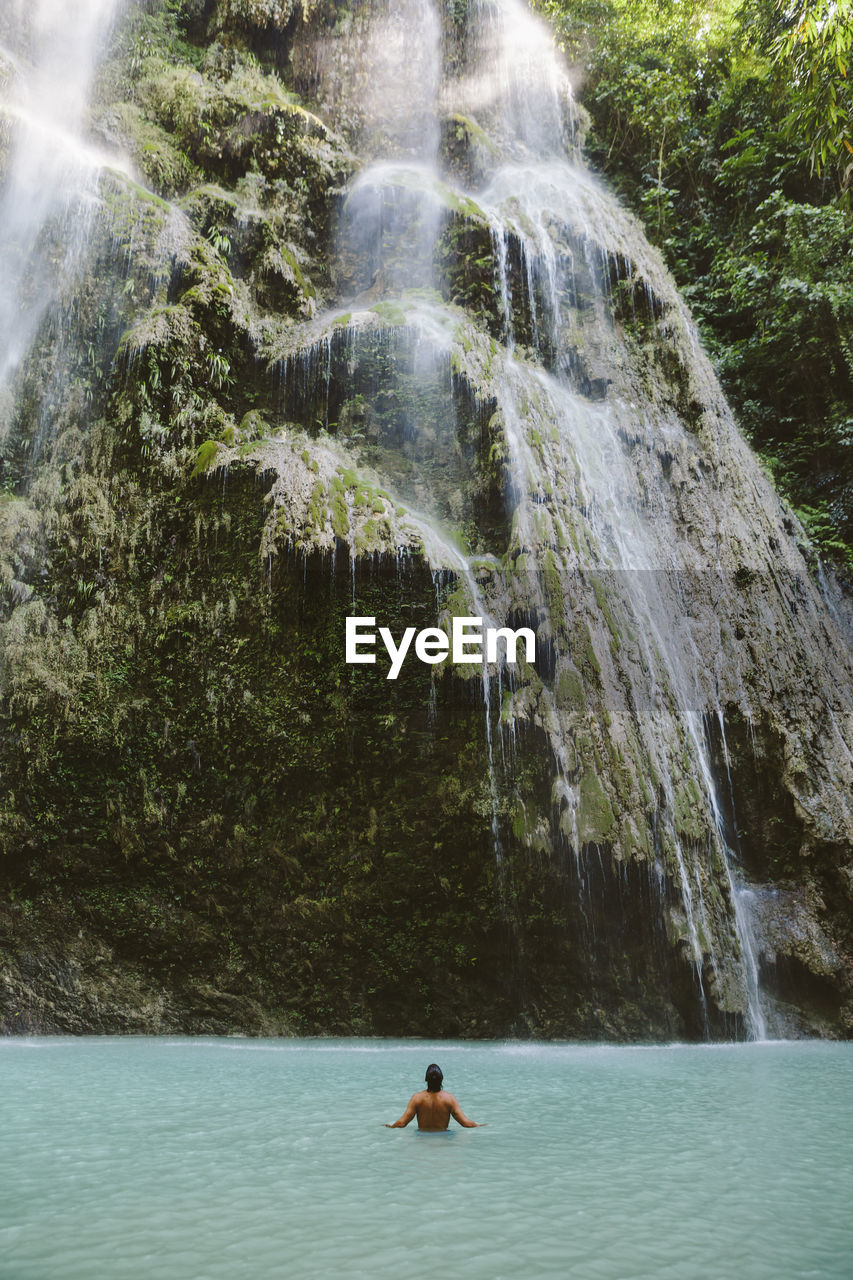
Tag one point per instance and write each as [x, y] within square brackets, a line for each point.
[191, 1158]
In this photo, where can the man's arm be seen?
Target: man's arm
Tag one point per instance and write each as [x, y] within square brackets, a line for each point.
[408, 1114]
[460, 1117]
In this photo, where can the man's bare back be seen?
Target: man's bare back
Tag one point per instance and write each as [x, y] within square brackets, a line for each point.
[433, 1111]
[433, 1108]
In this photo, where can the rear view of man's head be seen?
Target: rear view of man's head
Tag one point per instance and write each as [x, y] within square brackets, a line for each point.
[434, 1076]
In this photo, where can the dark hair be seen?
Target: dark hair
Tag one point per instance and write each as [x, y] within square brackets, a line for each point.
[434, 1076]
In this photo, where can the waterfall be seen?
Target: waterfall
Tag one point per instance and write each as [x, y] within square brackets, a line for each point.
[568, 298]
[492, 376]
[51, 174]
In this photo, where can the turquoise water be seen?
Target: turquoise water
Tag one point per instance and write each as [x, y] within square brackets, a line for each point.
[193, 1158]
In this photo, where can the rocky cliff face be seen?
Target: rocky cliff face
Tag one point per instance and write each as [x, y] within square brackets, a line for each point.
[338, 324]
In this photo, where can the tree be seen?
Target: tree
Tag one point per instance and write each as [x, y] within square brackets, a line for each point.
[815, 47]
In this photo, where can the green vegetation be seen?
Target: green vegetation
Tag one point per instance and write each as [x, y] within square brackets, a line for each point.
[814, 44]
[726, 127]
[206, 457]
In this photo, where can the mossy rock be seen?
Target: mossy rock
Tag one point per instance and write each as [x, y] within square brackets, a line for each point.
[595, 819]
[206, 457]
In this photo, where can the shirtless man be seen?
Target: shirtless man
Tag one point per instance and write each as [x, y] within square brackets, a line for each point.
[433, 1106]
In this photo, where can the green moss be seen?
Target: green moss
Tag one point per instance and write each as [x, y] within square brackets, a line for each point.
[553, 583]
[570, 690]
[289, 257]
[367, 538]
[473, 131]
[206, 457]
[689, 809]
[585, 651]
[317, 510]
[339, 509]
[596, 820]
[519, 822]
[164, 165]
[253, 425]
[389, 313]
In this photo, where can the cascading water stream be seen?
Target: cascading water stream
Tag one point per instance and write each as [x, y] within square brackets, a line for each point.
[555, 234]
[391, 223]
[51, 177]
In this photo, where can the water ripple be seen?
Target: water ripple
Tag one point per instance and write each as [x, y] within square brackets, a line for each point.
[123, 1159]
